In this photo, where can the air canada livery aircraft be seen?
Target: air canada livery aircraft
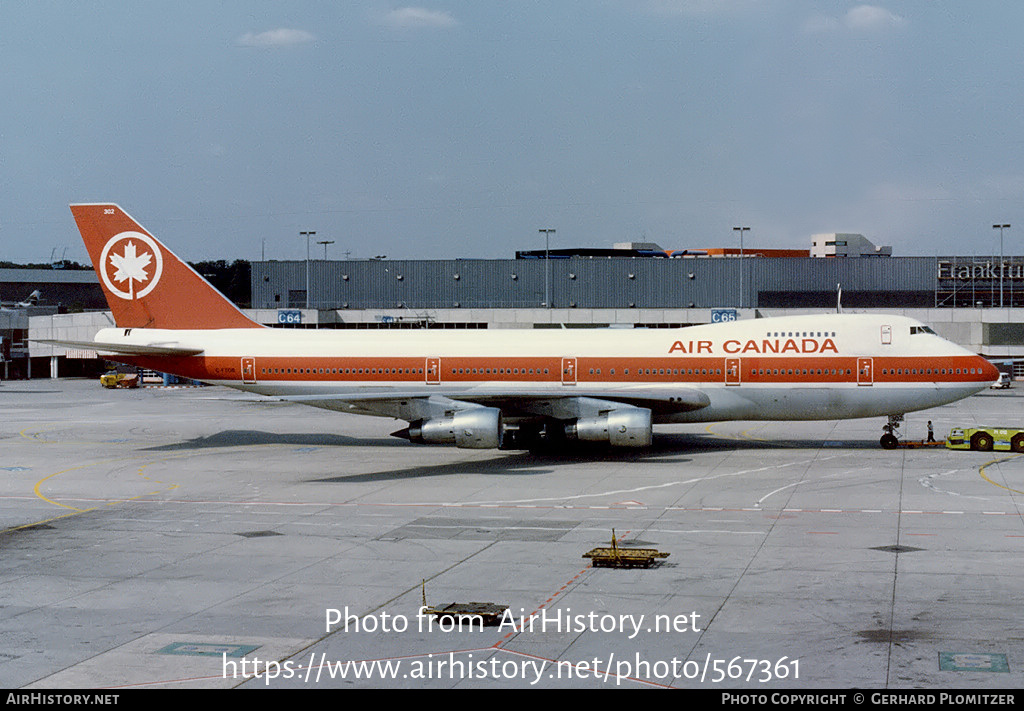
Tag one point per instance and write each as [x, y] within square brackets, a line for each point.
[516, 389]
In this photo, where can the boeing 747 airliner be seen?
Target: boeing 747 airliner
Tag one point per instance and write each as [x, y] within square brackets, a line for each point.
[522, 388]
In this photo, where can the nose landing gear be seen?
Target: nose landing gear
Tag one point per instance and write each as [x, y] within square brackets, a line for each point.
[890, 440]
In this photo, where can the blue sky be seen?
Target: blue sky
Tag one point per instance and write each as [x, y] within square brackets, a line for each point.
[458, 129]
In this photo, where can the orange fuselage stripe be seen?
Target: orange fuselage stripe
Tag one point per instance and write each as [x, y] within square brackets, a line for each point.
[468, 369]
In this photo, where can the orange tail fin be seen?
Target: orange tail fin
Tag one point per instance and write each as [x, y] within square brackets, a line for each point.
[146, 285]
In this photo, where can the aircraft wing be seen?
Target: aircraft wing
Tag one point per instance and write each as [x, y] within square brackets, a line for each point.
[415, 405]
[582, 403]
[127, 349]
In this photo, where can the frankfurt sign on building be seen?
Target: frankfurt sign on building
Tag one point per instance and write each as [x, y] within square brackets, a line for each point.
[981, 270]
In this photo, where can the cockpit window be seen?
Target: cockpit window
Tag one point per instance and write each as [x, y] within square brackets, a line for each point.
[922, 329]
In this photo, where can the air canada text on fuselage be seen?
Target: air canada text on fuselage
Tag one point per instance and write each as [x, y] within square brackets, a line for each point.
[758, 346]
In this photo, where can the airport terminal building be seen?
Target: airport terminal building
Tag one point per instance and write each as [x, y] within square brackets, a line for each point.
[975, 301]
[588, 282]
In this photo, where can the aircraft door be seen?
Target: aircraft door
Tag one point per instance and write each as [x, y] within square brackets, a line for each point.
[432, 371]
[864, 371]
[732, 371]
[249, 371]
[568, 371]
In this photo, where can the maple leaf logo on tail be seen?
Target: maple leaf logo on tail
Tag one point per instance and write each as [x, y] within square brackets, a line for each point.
[131, 267]
[129, 256]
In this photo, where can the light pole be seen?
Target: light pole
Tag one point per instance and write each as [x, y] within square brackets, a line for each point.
[325, 243]
[741, 230]
[307, 235]
[1001, 267]
[547, 266]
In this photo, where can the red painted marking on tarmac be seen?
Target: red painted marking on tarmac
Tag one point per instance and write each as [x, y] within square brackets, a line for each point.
[497, 645]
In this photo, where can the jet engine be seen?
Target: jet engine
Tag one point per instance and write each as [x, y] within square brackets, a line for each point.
[475, 428]
[627, 427]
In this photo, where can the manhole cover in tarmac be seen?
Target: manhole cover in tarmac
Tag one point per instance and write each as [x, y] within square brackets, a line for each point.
[258, 534]
[897, 549]
[207, 649]
[973, 661]
[884, 636]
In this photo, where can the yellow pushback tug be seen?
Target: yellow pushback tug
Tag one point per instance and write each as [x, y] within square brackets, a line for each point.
[113, 379]
[986, 439]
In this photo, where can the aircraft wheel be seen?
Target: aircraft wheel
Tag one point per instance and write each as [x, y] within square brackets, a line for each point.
[1017, 443]
[888, 441]
[981, 442]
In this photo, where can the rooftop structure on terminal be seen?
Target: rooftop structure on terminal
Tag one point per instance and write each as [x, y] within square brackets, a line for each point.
[846, 244]
[650, 249]
[829, 244]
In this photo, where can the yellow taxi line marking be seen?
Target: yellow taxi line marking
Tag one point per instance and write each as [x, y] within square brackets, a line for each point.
[38, 491]
[710, 431]
[34, 436]
[985, 476]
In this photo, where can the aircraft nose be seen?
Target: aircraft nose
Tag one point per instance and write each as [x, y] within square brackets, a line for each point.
[988, 370]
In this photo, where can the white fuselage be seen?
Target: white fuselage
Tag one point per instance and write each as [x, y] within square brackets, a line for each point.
[790, 368]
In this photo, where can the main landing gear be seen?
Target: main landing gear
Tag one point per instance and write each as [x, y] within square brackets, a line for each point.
[890, 440]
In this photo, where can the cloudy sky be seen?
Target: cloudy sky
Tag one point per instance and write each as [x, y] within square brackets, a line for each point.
[460, 128]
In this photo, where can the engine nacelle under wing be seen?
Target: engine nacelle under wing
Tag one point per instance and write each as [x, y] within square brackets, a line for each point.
[475, 428]
[626, 427]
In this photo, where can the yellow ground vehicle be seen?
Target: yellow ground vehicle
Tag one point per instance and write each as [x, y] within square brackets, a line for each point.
[986, 439]
[119, 380]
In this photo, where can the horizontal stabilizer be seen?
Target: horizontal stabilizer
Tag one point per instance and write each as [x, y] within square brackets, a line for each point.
[128, 349]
